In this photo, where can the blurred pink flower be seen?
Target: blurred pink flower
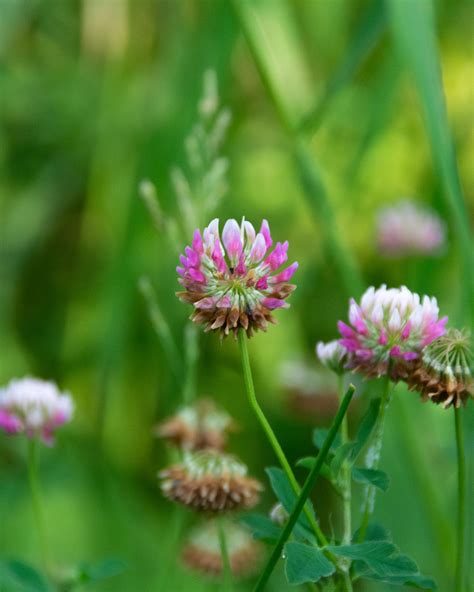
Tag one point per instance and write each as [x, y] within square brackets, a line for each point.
[390, 325]
[234, 279]
[408, 228]
[34, 407]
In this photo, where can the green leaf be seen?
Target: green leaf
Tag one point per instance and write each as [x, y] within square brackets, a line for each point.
[286, 496]
[374, 532]
[108, 568]
[21, 577]
[416, 580]
[374, 477]
[381, 557]
[305, 563]
[320, 435]
[340, 456]
[366, 427]
[371, 550]
[262, 527]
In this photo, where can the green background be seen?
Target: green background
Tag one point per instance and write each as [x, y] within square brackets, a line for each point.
[97, 95]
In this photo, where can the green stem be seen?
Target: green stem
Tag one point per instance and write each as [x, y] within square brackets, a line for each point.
[226, 566]
[36, 501]
[249, 386]
[305, 491]
[461, 533]
[191, 337]
[373, 456]
[346, 490]
[346, 474]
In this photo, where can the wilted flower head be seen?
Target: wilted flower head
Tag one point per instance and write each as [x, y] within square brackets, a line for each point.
[233, 280]
[210, 481]
[310, 392]
[197, 426]
[390, 325]
[408, 228]
[333, 355]
[34, 407]
[202, 552]
[444, 373]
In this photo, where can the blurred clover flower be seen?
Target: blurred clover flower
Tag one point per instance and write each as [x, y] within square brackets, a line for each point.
[390, 327]
[311, 393]
[232, 280]
[444, 373]
[333, 355]
[202, 551]
[210, 481]
[278, 514]
[34, 407]
[408, 228]
[197, 426]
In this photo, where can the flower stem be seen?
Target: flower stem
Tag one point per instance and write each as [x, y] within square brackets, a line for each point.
[36, 501]
[373, 457]
[346, 473]
[226, 566]
[270, 434]
[346, 489]
[305, 491]
[461, 534]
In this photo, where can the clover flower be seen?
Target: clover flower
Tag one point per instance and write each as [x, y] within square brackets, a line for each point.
[202, 551]
[278, 514]
[234, 280]
[390, 327]
[311, 393]
[408, 228]
[197, 426]
[34, 407]
[333, 355]
[210, 481]
[444, 373]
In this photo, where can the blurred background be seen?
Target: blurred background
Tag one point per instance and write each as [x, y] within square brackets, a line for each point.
[327, 127]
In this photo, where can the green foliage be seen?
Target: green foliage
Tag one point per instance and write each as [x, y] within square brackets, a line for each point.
[366, 428]
[17, 576]
[305, 563]
[92, 573]
[261, 526]
[381, 560]
[374, 477]
[286, 496]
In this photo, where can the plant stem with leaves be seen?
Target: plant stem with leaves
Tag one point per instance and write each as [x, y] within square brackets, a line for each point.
[461, 532]
[373, 456]
[306, 490]
[247, 371]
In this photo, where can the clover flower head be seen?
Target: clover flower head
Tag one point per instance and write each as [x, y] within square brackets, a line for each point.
[278, 514]
[444, 374]
[34, 407]
[197, 426]
[389, 327]
[202, 551]
[333, 355]
[311, 392]
[234, 280]
[210, 481]
[408, 228]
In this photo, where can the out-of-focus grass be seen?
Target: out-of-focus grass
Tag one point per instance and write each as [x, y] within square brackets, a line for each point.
[96, 96]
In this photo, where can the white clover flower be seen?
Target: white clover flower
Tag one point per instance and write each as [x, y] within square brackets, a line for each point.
[34, 407]
[332, 354]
